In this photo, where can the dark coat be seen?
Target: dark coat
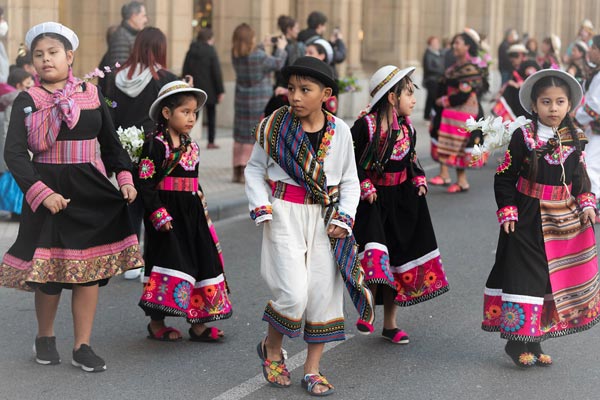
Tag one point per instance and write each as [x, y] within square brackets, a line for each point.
[202, 63]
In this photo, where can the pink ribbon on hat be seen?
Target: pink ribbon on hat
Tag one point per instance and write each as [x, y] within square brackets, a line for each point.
[43, 125]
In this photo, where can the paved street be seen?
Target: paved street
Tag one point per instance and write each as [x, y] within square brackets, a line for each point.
[449, 356]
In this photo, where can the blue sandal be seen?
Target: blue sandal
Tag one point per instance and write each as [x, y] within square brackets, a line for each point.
[311, 380]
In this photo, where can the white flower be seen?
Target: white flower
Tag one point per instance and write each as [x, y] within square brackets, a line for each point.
[496, 133]
[132, 140]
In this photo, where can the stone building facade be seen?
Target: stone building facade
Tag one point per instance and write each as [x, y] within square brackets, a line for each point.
[377, 32]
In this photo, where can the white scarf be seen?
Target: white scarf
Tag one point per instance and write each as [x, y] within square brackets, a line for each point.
[138, 82]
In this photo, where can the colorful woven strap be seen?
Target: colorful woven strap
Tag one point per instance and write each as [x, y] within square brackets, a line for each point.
[542, 192]
[388, 178]
[178, 184]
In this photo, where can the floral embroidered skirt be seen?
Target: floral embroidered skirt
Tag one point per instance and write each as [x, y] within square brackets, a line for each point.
[545, 281]
[397, 245]
[89, 241]
[184, 267]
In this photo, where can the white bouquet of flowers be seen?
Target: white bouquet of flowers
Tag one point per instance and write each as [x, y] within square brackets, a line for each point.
[132, 139]
[496, 133]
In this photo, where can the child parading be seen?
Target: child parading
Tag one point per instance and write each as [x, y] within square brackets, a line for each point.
[75, 231]
[306, 209]
[544, 283]
[397, 245]
[184, 266]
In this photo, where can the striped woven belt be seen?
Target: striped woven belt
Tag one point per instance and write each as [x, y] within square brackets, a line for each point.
[388, 178]
[542, 192]
[178, 184]
[69, 152]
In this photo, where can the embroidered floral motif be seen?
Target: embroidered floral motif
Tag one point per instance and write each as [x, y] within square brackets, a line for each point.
[326, 141]
[587, 200]
[343, 217]
[160, 217]
[508, 213]
[555, 158]
[366, 189]
[505, 164]
[260, 211]
[513, 317]
[181, 294]
[530, 142]
[430, 278]
[189, 160]
[401, 147]
[527, 358]
[146, 168]
[493, 312]
[419, 181]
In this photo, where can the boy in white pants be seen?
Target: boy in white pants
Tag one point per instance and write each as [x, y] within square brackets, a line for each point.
[307, 156]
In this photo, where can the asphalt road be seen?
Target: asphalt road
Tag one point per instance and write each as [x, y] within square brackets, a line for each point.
[449, 356]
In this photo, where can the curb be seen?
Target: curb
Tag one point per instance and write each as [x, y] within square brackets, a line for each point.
[227, 208]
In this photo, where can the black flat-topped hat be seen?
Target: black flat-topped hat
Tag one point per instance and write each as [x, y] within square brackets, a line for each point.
[313, 67]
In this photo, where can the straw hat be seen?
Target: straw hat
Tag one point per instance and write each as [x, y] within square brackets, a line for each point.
[172, 88]
[51, 27]
[384, 79]
[574, 86]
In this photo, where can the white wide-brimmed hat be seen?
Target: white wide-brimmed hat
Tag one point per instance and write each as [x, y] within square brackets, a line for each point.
[556, 43]
[172, 88]
[51, 27]
[326, 45]
[472, 33]
[582, 45]
[384, 79]
[517, 48]
[527, 86]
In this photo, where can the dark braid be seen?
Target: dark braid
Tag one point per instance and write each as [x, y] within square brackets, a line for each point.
[585, 179]
[533, 157]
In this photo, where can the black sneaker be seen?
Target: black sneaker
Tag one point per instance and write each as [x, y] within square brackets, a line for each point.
[45, 350]
[87, 360]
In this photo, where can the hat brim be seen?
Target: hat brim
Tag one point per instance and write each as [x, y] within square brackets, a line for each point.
[386, 88]
[574, 87]
[198, 93]
[300, 70]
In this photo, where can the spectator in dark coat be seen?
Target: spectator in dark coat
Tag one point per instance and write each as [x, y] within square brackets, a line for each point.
[202, 63]
[433, 69]
[504, 65]
[316, 22]
[121, 41]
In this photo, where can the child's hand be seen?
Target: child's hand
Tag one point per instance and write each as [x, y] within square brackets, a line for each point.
[422, 191]
[508, 226]
[129, 193]
[55, 203]
[372, 197]
[168, 226]
[336, 232]
[589, 214]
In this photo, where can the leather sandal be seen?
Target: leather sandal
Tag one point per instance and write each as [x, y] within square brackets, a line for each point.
[272, 369]
[311, 380]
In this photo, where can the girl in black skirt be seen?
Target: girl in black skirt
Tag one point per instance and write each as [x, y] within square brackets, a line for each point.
[184, 267]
